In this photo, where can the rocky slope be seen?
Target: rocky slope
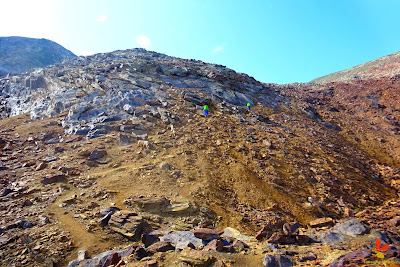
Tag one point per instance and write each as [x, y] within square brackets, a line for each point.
[19, 54]
[387, 66]
[111, 153]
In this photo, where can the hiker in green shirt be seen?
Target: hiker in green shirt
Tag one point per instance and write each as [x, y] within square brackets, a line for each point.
[248, 106]
[205, 110]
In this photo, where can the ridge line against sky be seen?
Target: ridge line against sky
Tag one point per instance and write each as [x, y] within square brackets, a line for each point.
[271, 40]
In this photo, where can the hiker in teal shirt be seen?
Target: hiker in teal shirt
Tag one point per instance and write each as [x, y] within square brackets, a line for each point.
[205, 110]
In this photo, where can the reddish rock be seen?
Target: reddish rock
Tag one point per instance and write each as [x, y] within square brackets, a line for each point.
[321, 222]
[84, 153]
[53, 179]
[128, 224]
[281, 238]
[159, 233]
[206, 234]
[216, 245]
[352, 257]
[264, 232]
[310, 256]
[303, 239]
[290, 228]
[160, 246]
[41, 166]
[112, 259]
[151, 263]
[269, 228]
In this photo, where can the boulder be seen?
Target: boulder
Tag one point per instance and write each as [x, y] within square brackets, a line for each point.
[149, 239]
[128, 224]
[206, 234]
[277, 260]
[279, 237]
[350, 227]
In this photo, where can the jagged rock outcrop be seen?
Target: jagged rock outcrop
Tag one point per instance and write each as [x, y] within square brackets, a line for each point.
[108, 87]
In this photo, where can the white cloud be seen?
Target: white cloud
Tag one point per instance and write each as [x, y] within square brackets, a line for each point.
[102, 18]
[218, 49]
[143, 41]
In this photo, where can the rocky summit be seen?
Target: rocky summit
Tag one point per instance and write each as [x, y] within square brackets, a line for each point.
[109, 160]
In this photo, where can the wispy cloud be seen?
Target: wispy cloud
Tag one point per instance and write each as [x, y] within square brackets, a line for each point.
[102, 18]
[218, 49]
[143, 41]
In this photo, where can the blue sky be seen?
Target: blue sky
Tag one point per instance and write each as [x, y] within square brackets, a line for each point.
[278, 41]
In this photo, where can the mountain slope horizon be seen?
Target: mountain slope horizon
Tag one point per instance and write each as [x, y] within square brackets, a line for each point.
[19, 54]
[386, 66]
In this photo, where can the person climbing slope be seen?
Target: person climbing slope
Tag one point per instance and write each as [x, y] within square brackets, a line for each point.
[205, 110]
[248, 106]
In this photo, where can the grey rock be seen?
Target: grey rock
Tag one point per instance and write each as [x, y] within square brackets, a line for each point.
[107, 210]
[129, 109]
[332, 237]
[82, 255]
[125, 139]
[104, 221]
[277, 261]
[97, 154]
[350, 227]
[100, 259]
[27, 224]
[182, 237]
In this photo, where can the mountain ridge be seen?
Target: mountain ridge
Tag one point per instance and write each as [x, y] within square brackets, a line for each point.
[19, 54]
[386, 66]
